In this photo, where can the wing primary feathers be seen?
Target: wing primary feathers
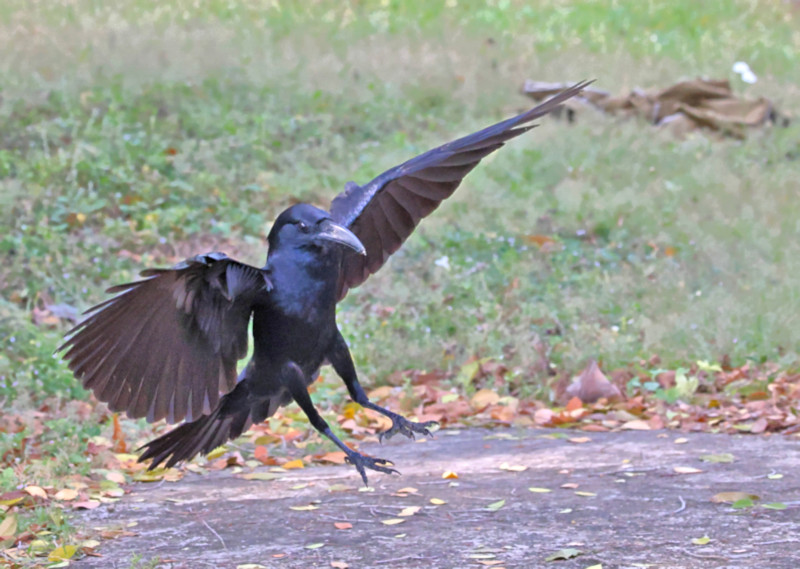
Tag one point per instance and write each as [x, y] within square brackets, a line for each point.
[167, 345]
[416, 187]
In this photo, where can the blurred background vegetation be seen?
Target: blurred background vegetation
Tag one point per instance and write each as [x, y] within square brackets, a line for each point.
[136, 134]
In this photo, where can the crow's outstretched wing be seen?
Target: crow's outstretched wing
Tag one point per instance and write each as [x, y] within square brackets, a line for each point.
[384, 212]
[167, 346]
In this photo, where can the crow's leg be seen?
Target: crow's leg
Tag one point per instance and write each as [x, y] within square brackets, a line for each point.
[342, 363]
[292, 378]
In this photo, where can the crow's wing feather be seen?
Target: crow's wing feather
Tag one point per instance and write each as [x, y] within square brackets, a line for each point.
[384, 212]
[166, 346]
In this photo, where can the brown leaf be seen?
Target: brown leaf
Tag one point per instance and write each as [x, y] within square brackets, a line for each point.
[592, 385]
[335, 457]
[483, 398]
[759, 426]
[342, 525]
[543, 416]
[118, 437]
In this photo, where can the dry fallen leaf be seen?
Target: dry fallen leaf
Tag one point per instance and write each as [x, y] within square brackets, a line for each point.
[731, 497]
[36, 492]
[483, 398]
[592, 385]
[437, 502]
[494, 506]
[261, 476]
[636, 425]
[513, 467]
[8, 527]
[335, 457]
[63, 553]
[687, 470]
[292, 464]
[342, 525]
[409, 511]
[339, 565]
[66, 494]
[579, 440]
[392, 521]
[449, 474]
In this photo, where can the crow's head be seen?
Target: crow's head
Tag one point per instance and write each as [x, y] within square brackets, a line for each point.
[303, 226]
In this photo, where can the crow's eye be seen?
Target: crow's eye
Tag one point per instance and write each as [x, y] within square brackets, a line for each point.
[303, 227]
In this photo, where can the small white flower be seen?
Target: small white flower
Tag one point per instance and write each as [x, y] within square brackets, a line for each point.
[443, 262]
[745, 72]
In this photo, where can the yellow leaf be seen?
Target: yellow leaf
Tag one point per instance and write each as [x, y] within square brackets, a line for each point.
[731, 497]
[10, 502]
[155, 475]
[307, 508]
[392, 521]
[687, 470]
[8, 527]
[449, 474]
[36, 492]
[261, 476]
[681, 441]
[513, 467]
[701, 540]
[540, 490]
[409, 511]
[484, 398]
[636, 425]
[217, 452]
[62, 553]
[586, 494]
[292, 464]
[437, 502]
[66, 494]
[579, 440]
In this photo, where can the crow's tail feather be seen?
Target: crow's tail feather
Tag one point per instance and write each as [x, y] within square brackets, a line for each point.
[229, 419]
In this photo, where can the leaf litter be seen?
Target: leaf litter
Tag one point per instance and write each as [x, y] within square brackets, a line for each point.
[712, 398]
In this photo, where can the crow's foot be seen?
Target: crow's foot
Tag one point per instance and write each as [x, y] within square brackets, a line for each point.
[407, 428]
[362, 462]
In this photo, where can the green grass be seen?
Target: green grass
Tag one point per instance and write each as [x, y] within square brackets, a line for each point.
[135, 134]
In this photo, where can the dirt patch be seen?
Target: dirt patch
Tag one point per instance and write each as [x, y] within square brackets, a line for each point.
[616, 497]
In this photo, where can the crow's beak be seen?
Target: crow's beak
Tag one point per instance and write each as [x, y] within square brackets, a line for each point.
[339, 234]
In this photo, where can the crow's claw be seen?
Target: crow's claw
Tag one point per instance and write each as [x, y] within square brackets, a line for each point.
[407, 428]
[361, 462]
